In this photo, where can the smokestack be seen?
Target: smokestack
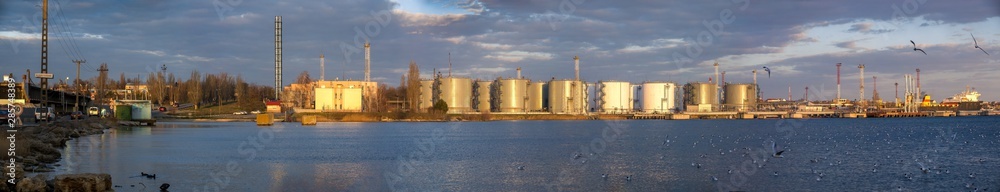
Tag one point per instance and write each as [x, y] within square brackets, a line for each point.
[518, 72]
[322, 69]
[838, 81]
[789, 93]
[368, 61]
[755, 78]
[806, 98]
[449, 64]
[576, 66]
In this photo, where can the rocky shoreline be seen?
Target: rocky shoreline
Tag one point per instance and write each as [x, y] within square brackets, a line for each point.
[37, 149]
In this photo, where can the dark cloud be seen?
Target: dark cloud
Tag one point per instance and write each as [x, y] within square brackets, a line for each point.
[625, 40]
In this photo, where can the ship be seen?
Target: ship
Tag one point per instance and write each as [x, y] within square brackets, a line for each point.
[967, 100]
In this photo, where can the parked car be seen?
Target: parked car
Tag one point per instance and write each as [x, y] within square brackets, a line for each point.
[255, 112]
[43, 114]
[240, 113]
[76, 115]
[93, 111]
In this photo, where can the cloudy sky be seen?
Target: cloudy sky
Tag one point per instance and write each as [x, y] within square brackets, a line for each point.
[645, 40]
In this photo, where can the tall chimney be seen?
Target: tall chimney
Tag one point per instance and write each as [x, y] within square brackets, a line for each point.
[368, 61]
[576, 66]
[838, 81]
[519, 72]
[755, 78]
[322, 70]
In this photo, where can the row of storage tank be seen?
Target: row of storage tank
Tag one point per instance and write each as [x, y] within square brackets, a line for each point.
[571, 96]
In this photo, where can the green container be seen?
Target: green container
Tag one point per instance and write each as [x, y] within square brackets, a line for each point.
[123, 112]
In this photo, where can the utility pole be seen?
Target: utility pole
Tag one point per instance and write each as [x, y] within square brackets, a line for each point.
[163, 85]
[101, 83]
[76, 84]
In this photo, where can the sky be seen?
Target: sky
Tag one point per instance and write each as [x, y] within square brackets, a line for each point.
[800, 41]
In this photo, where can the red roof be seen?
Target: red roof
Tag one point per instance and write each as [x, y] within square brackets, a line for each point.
[273, 103]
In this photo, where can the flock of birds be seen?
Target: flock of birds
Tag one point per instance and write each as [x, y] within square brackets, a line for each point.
[843, 152]
[975, 43]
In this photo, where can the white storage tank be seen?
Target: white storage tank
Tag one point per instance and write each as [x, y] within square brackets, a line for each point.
[537, 97]
[510, 95]
[426, 95]
[740, 96]
[567, 97]
[614, 97]
[658, 97]
[457, 93]
[701, 96]
[481, 96]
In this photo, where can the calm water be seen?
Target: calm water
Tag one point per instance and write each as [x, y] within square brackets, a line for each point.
[820, 155]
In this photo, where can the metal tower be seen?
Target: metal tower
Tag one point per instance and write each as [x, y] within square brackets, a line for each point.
[44, 78]
[861, 97]
[277, 57]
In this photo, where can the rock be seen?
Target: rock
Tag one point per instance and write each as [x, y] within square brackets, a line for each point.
[84, 182]
[32, 184]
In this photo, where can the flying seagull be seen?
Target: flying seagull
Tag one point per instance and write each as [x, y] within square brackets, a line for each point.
[774, 148]
[768, 71]
[915, 47]
[977, 44]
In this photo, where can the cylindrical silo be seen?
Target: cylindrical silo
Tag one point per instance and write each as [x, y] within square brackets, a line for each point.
[740, 96]
[658, 97]
[457, 93]
[510, 95]
[481, 96]
[426, 95]
[614, 97]
[536, 96]
[567, 96]
[698, 93]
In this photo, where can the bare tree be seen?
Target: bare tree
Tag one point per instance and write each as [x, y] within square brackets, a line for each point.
[195, 89]
[413, 86]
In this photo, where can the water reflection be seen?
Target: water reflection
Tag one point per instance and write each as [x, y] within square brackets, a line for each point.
[485, 156]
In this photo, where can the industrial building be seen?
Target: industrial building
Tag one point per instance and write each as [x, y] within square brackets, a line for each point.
[614, 97]
[567, 97]
[509, 95]
[342, 96]
[481, 96]
[658, 97]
